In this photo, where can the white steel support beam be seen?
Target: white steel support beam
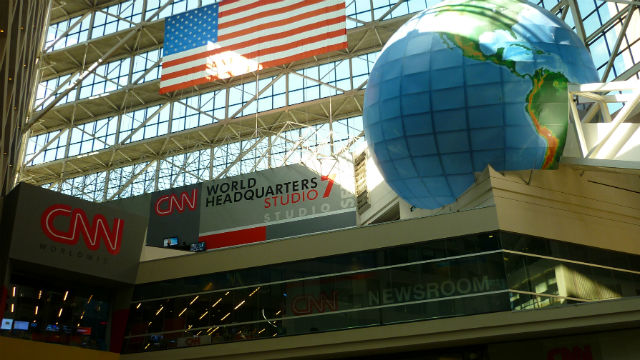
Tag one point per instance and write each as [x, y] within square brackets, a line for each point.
[131, 180]
[94, 66]
[66, 32]
[607, 25]
[296, 145]
[616, 47]
[77, 82]
[144, 123]
[148, 91]
[596, 151]
[256, 96]
[605, 147]
[268, 149]
[577, 20]
[56, 90]
[274, 125]
[239, 157]
[44, 147]
[183, 168]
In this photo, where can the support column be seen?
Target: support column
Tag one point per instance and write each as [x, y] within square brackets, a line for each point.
[22, 35]
[119, 317]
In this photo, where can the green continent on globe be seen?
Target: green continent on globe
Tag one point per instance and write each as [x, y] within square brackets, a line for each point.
[471, 49]
[548, 117]
[547, 106]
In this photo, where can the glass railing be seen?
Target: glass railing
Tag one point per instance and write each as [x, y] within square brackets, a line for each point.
[497, 301]
[286, 325]
[430, 280]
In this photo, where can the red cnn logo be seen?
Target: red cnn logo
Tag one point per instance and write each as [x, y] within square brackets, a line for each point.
[167, 204]
[307, 304]
[79, 225]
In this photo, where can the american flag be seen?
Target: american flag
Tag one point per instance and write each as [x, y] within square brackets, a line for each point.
[235, 37]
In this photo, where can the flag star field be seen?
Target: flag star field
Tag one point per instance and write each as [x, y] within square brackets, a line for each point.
[236, 37]
[191, 29]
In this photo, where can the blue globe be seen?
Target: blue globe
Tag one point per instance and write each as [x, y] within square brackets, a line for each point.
[466, 84]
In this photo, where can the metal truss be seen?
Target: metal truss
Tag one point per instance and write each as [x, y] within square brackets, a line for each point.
[132, 156]
[606, 140]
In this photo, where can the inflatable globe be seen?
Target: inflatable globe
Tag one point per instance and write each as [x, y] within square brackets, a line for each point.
[466, 84]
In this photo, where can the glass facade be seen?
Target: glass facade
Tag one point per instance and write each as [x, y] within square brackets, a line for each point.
[204, 109]
[473, 274]
[615, 55]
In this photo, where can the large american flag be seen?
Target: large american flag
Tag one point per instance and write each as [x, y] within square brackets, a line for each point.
[235, 37]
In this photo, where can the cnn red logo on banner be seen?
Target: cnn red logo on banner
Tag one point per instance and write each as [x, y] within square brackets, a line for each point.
[168, 204]
[79, 225]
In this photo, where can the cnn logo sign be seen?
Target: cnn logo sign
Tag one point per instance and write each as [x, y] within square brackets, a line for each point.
[79, 225]
[168, 204]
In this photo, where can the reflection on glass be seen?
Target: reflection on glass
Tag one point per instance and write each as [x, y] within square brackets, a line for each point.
[458, 276]
[56, 316]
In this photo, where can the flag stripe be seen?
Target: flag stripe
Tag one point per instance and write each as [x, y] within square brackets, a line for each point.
[263, 10]
[265, 59]
[223, 39]
[250, 44]
[248, 6]
[230, 4]
[252, 35]
[289, 19]
[188, 83]
[292, 58]
[208, 70]
[256, 52]
[306, 54]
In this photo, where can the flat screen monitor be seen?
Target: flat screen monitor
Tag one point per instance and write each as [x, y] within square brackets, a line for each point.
[171, 241]
[155, 339]
[83, 330]
[52, 327]
[199, 246]
[6, 324]
[20, 325]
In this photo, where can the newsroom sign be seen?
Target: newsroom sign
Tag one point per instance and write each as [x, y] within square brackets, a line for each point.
[407, 292]
[268, 204]
[64, 232]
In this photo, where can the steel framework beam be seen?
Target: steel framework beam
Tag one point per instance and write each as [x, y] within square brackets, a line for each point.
[265, 127]
[605, 146]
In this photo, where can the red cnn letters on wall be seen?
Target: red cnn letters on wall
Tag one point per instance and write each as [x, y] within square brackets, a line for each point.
[167, 204]
[79, 225]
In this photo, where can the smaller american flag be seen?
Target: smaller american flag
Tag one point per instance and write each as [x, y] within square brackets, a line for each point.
[235, 37]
